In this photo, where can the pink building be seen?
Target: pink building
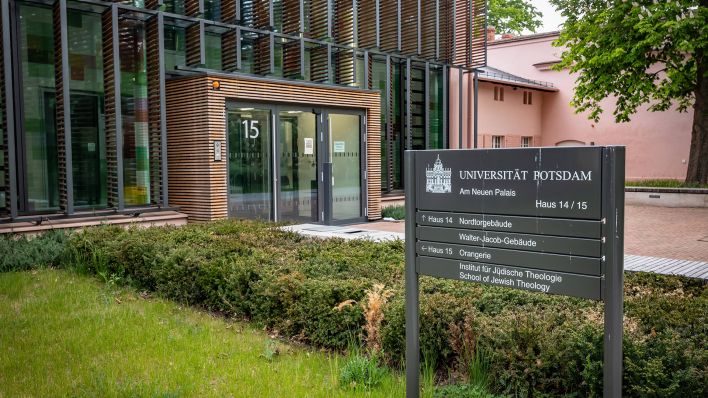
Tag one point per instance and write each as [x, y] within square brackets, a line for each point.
[523, 102]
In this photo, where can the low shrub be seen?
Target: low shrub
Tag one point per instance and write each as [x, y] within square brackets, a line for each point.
[20, 252]
[315, 291]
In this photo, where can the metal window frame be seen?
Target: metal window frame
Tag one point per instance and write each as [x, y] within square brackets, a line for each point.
[115, 40]
[9, 105]
[66, 98]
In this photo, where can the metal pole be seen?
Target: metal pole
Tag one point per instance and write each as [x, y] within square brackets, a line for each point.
[412, 310]
[613, 264]
[476, 108]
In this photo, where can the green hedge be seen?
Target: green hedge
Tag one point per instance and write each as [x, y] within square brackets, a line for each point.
[536, 345]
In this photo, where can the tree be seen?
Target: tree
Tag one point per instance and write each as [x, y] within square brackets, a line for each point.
[513, 16]
[640, 52]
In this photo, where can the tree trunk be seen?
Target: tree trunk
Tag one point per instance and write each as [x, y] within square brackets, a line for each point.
[698, 159]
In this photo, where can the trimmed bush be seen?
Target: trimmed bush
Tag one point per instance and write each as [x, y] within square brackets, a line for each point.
[18, 252]
[312, 291]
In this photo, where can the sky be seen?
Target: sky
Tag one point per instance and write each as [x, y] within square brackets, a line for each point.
[551, 18]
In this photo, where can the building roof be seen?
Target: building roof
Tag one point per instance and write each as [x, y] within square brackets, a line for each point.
[524, 38]
[495, 75]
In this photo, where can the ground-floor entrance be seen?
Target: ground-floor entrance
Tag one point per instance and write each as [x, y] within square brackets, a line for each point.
[295, 163]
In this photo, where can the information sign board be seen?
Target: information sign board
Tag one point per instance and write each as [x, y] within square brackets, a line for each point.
[542, 219]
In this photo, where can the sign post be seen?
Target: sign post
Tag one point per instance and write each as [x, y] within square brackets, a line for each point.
[549, 220]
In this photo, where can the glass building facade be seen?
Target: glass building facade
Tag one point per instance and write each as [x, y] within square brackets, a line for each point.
[83, 109]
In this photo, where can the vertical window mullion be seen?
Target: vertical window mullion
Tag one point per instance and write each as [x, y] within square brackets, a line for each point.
[426, 105]
[9, 108]
[66, 111]
[115, 39]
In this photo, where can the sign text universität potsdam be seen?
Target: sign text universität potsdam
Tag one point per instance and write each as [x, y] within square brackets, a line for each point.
[542, 219]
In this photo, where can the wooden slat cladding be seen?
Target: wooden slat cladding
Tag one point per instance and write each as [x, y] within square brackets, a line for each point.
[261, 14]
[188, 149]
[291, 59]
[388, 10]
[228, 10]
[478, 55]
[343, 21]
[319, 19]
[194, 42]
[60, 108]
[291, 16]
[460, 52]
[366, 23]
[229, 41]
[109, 79]
[409, 26]
[429, 21]
[198, 184]
[191, 7]
[319, 64]
[154, 109]
[446, 29]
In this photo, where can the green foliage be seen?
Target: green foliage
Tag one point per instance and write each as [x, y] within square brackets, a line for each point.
[513, 16]
[18, 252]
[524, 343]
[643, 52]
[361, 371]
[395, 212]
[664, 184]
[463, 391]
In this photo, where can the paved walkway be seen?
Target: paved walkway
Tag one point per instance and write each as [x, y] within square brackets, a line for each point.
[657, 239]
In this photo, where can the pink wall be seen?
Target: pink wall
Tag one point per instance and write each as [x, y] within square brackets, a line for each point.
[657, 142]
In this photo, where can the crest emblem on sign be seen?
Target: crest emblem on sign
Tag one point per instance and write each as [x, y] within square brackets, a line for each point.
[438, 178]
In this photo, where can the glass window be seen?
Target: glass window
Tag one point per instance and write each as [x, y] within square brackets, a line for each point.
[417, 108]
[526, 142]
[134, 103]
[212, 9]
[88, 137]
[435, 108]
[378, 82]
[213, 50]
[398, 143]
[174, 6]
[497, 141]
[175, 47]
[498, 93]
[36, 41]
[246, 12]
[247, 54]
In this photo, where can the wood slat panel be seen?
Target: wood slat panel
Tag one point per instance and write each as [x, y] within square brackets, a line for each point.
[198, 184]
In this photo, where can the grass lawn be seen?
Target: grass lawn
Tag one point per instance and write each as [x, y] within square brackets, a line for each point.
[63, 334]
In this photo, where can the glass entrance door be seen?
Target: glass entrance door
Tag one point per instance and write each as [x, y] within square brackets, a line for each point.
[297, 151]
[294, 164]
[250, 163]
[345, 154]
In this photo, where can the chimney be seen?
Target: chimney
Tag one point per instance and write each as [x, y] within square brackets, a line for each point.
[490, 34]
